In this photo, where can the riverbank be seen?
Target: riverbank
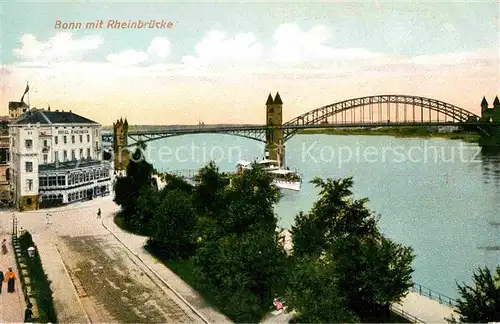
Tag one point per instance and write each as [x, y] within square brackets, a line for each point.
[410, 131]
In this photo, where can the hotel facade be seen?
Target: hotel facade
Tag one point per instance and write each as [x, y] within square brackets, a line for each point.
[56, 159]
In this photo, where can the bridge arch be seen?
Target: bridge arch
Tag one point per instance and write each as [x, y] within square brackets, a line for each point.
[379, 109]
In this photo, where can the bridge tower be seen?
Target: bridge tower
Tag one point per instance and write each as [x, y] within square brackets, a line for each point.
[120, 142]
[491, 115]
[275, 144]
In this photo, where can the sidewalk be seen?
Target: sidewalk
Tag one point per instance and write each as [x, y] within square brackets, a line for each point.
[12, 305]
[135, 243]
[425, 309]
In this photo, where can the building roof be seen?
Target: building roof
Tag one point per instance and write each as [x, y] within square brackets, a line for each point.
[484, 102]
[46, 117]
[269, 100]
[17, 104]
[277, 99]
[71, 165]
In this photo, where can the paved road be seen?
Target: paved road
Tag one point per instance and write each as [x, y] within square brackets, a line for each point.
[94, 277]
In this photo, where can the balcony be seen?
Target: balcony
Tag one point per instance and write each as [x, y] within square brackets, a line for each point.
[45, 149]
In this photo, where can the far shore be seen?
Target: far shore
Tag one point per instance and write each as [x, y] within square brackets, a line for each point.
[405, 132]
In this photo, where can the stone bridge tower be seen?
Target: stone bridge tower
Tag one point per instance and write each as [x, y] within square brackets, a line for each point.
[275, 144]
[120, 142]
[491, 115]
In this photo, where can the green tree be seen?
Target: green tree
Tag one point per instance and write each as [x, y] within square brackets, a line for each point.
[174, 224]
[127, 189]
[209, 195]
[147, 203]
[370, 270]
[239, 256]
[314, 293]
[244, 270]
[480, 303]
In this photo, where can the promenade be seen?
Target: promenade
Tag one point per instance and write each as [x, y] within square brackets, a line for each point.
[98, 271]
[12, 305]
[95, 278]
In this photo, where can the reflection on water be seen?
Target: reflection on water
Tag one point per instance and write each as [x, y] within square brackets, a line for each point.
[490, 159]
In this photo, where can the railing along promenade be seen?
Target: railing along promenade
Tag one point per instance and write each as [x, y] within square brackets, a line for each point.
[399, 311]
[434, 295]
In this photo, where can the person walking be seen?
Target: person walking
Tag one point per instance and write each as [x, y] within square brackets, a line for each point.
[10, 279]
[99, 213]
[28, 313]
[1, 281]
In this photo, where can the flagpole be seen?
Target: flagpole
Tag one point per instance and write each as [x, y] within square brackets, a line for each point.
[28, 97]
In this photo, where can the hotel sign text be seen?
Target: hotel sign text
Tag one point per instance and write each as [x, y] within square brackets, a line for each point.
[73, 131]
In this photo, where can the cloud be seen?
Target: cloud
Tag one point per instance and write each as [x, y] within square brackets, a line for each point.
[294, 46]
[60, 47]
[217, 48]
[485, 56]
[159, 48]
[128, 57]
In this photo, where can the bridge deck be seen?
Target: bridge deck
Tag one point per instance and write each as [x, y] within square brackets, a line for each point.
[425, 309]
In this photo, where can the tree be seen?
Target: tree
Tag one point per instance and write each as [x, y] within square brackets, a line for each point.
[481, 303]
[250, 202]
[314, 294]
[127, 189]
[370, 270]
[245, 270]
[174, 223]
[209, 190]
[239, 255]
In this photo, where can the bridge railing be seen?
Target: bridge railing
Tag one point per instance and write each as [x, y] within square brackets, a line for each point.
[434, 295]
[399, 311]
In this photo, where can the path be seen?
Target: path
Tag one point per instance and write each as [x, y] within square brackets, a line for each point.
[94, 277]
[425, 309]
[12, 305]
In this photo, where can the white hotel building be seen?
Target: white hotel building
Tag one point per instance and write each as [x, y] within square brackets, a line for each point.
[56, 158]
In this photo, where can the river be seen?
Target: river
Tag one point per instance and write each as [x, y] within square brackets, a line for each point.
[441, 197]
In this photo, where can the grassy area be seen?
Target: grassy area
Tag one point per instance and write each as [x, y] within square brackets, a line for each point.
[185, 269]
[40, 285]
[120, 222]
[409, 131]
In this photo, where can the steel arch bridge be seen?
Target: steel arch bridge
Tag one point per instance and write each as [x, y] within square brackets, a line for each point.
[390, 110]
[372, 111]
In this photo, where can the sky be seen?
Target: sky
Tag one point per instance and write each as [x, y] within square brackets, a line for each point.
[218, 61]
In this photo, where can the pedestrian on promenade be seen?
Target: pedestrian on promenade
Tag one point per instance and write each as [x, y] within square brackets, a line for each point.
[10, 279]
[1, 280]
[99, 213]
[47, 219]
[28, 313]
[4, 246]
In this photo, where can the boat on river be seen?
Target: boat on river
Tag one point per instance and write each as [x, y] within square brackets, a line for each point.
[283, 178]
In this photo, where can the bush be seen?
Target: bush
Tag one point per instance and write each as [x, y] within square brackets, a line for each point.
[39, 282]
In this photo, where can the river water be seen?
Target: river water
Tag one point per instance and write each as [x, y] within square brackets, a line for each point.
[441, 197]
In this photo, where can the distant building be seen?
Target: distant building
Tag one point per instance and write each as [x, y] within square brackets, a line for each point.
[16, 109]
[55, 159]
[4, 161]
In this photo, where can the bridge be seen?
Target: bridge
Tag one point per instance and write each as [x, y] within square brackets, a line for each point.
[369, 112]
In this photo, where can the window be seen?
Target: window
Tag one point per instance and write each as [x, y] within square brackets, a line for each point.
[88, 153]
[29, 166]
[61, 180]
[29, 143]
[73, 139]
[45, 143]
[73, 157]
[65, 140]
[29, 185]
[45, 158]
[65, 155]
[56, 156]
[81, 138]
[88, 138]
[56, 139]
